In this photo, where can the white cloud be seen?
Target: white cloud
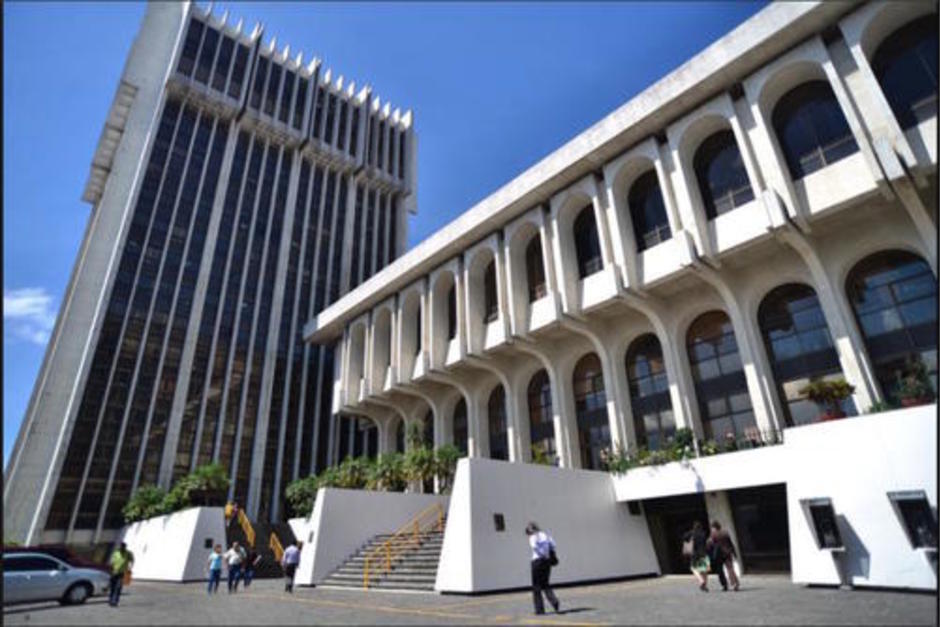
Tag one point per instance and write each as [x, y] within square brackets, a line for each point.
[28, 314]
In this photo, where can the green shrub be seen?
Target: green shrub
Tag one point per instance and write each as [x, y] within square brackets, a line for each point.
[353, 473]
[617, 461]
[541, 457]
[301, 495]
[147, 501]
[329, 478]
[420, 464]
[445, 459]
[387, 473]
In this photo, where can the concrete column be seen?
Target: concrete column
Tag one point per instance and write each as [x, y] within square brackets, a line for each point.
[718, 506]
[693, 220]
[565, 419]
[849, 344]
[757, 372]
[599, 202]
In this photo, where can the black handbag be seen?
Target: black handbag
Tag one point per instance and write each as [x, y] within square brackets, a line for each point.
[552, 557]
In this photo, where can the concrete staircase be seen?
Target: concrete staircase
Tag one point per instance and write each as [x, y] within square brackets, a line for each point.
[268, 567]
[413, 568]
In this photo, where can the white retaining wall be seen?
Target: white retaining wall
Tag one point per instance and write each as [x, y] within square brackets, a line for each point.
[855, 462]
[344, 520]
[596, 536]
[172, 547]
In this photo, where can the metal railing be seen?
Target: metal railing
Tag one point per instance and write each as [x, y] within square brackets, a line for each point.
[275, 545]
[406, 536]
[247, 528]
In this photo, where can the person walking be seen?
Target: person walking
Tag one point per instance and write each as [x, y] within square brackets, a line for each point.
[248, 569]
[234, 558]
[543, 558]
[721, 552]
[693, 547]
[121, 562]
[289, 562]
[214, 564]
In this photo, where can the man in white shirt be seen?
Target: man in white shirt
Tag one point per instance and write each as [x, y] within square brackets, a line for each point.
[234, 558]
[289, 562]
[543, 551]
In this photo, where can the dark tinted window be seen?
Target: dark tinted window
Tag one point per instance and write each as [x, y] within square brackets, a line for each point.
[811, 128]
[586, 242]
[894, 297]
[24, 563]
[452, 312]
[906, 67]
[649, 392]
[541, 418]
[647, 212]
[591, 407]
[496, 412]
[799, 347]
[720, 386]
[460, 426]
[190, 47]
[535, 269]
[722, 179]
[238, 72]
[491, 301]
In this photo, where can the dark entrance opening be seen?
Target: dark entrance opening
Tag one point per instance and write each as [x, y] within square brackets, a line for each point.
[669, 518]
[760, 520]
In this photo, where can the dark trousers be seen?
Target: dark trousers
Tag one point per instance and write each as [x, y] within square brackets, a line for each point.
[718, 567]
[114, 590]
[214, 577]
[289, 570]
[541, 570]
[234, 574]
[248, 574]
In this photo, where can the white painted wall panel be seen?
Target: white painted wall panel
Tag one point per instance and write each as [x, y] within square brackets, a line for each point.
[597, 538]
[172, 547]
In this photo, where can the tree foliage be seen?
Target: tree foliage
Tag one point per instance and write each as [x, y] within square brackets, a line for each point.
[301, 495]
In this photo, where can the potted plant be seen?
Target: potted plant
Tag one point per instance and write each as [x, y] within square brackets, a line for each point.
[914, 388]
[828, 394]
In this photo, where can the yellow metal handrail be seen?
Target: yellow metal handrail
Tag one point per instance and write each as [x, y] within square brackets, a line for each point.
[275, 545]
[408, 535]
[247, 528]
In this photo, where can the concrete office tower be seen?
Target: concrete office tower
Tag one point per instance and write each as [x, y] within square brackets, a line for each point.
[236, 190]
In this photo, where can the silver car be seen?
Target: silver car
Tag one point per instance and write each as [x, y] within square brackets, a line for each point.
[39, 577]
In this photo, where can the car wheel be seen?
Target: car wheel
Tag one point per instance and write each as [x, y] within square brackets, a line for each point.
[77, 594]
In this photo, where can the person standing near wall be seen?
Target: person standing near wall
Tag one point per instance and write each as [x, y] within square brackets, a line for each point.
[121, 562]
[234, 557]
[289, 562]
[543, 558]
[248, 569]
[693, 547]
[214, 564]
[721, 552]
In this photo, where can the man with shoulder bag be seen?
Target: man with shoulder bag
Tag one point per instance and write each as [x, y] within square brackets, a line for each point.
[543, 558]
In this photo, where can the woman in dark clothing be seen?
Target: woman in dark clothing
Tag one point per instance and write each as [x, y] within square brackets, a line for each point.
[721, 552]
[698, 556]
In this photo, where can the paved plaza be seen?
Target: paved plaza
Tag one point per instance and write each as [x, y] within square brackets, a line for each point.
[666, 600]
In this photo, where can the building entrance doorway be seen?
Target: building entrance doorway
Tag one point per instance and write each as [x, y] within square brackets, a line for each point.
[669, 518]
[760, 519]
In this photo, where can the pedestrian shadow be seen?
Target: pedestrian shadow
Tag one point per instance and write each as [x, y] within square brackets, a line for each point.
[574, 610]
[51, 605]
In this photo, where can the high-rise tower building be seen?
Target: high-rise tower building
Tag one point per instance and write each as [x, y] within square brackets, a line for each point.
[236, 191]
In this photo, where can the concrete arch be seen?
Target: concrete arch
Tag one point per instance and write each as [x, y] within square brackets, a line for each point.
[380, 376]
[439, 340]
[356, 365]
[411, 333]
[888, 18]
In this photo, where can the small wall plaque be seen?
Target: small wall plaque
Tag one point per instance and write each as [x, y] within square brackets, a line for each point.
[499, 522]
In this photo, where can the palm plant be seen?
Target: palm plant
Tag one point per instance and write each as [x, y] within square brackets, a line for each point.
[387, 473]
[446, 465]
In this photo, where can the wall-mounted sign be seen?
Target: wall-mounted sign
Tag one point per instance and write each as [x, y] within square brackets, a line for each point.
[208, 543]
[916, 517]
[499, 522]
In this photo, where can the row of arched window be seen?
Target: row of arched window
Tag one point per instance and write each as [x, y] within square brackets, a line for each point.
[893, 295]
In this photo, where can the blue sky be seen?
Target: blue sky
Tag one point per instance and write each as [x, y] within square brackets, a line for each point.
[494, 88]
